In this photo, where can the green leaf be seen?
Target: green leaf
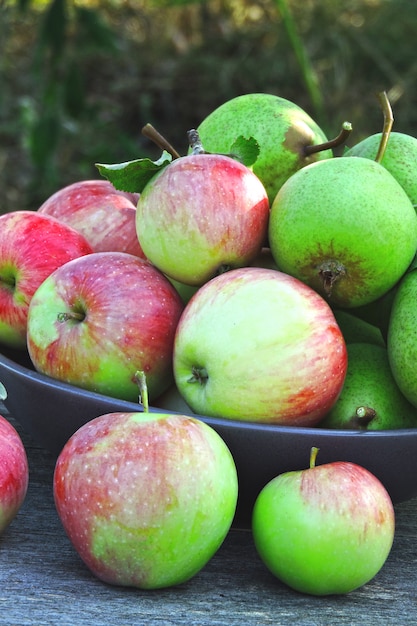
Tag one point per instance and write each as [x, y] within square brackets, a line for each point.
[132, 176]
[245, 150]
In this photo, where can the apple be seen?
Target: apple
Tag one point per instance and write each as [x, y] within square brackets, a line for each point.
[145, 498]
[402, 339]
[14, 471]
[257, 344]
[370, 398]
[400, 158]
[201, 215]
[346, 227]
[324, 530]
[283, 130]
[31, 247]
[98, 319]
[104, 215]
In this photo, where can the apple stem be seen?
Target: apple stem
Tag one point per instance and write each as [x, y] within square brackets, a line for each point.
[332, 143]
[140, 378]
[363, 416]
[313, 456]
[388, 122]
[151, 133]
[195, 142]
[78, 316]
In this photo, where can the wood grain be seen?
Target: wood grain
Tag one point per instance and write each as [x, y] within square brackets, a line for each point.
[43, 582]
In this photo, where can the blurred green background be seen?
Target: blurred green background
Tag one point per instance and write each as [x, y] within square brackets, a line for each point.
[80, 78]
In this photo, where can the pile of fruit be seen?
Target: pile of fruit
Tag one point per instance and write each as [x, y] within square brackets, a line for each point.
[257, 278]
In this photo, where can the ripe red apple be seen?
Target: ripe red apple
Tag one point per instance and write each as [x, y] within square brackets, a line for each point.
[104, 215]
[31, 247]
[201, 215]
[95, 321]
[145, 498]
[14, 473]
[257, 344]
[324, 530]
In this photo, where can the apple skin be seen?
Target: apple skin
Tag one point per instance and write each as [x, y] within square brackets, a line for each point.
[346, 227]
[282, 129]
[370, 386]
[200, 215]
[145, 498]
[14, 473]
[256, 344]
[31, 247]
[400, 158]
[127, 315]
[402, 339]
[324, 530]
[104, 215]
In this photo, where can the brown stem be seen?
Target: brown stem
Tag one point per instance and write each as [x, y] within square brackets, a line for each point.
[151, 133]
[332, 143]
[388, 122]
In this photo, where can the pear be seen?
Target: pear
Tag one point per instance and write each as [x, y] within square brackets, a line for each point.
[400, 158]
[345, 227]
[370, 398]
[358, 330]
[283, 130]
[402, 336]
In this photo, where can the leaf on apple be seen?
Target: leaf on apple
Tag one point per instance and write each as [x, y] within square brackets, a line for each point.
[245, 150]
[132, 176]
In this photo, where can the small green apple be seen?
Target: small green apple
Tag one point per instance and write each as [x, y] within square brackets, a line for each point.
[324, 530]
[400, 158]
[282, 129]
[355, 329]
[346, 227]
[402, 336]
[370, 398]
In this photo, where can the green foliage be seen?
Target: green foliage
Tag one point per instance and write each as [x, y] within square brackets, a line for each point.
[78, 80]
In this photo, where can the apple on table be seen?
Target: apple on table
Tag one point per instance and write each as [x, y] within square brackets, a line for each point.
[327, 529]
[14, 470]
[145, 498]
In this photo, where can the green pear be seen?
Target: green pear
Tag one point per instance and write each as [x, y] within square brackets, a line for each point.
[370, 398]
[400, 158]
[402, 336]
[357, 330]
[282, 129]
[345, 227]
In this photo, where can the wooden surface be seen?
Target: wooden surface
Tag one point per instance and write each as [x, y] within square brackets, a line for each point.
[43, 581]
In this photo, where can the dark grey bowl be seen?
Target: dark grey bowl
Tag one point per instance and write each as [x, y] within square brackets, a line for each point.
[52, 411]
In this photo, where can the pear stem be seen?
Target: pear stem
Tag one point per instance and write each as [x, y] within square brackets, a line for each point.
[140, 378]
[151, 133]
[313, 456]
[388, 122]
[332, 143]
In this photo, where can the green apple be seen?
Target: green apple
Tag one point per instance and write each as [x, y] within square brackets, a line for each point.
[370, 398]
[324, 530]
[400, 158]
[402, 336]
[256, 344]
[346, 227]
[355, 329]
[282, 129]
[145, 498]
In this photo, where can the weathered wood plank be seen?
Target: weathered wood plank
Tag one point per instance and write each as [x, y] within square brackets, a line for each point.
[44, 583]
